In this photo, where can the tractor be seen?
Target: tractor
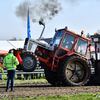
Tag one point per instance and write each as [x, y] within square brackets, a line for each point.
[95, 41]
[64, 57]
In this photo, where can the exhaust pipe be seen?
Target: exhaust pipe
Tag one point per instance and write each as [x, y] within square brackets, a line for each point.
[41, 23]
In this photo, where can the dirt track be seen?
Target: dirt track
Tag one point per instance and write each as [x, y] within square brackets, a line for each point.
[45, 89]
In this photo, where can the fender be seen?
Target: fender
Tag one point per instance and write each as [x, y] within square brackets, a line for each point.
[69, 54]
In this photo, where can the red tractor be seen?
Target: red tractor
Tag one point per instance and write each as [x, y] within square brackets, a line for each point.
[64, 58]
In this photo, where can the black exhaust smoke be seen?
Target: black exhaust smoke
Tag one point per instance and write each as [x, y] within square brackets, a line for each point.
[39, 11]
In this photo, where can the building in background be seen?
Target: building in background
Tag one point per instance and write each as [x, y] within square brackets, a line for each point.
[6, 45]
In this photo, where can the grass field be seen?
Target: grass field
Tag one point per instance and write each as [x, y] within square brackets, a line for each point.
[62, 97]
[38, 76]
[17, 81]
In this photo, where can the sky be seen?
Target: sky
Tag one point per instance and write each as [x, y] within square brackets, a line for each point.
[77, 15]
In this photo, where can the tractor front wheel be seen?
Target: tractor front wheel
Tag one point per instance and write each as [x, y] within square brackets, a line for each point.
[30, 61]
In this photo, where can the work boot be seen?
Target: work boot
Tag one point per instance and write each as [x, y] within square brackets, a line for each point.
[6, 90]
[13, 90]
[0, 78]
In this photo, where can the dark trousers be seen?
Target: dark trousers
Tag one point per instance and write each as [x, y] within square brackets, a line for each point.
[11, 77]
[26, 76]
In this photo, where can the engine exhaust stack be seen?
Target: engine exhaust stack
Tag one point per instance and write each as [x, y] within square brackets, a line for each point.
[41, 23]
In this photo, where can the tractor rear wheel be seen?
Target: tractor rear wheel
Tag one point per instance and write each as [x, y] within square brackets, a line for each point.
[30, 61]
[51, 76]
[74, 71]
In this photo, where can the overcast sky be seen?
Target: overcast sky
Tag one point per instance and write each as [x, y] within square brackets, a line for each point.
[77, 15]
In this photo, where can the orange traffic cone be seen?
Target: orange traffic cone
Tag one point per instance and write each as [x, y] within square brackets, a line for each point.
[19, 58]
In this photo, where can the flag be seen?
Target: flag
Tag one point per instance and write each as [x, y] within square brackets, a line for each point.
[28, 26]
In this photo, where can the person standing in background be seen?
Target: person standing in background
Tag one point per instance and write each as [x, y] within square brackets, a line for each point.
[10, 62]
[1, 67]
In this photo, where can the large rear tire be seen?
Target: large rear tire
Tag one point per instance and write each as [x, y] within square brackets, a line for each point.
[74, 71]
[30, 61]
[51, 76]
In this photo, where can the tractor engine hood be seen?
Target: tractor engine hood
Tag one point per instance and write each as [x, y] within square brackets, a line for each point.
[31, 44]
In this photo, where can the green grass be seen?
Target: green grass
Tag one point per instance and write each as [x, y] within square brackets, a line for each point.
[20, 81]
[5, 76]
[30, 81]
[24, 81]
[87, 96]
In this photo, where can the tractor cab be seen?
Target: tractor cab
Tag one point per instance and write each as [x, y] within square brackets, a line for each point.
[68, 43]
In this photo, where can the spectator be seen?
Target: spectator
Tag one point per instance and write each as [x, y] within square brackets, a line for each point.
[31, 76]
[1, 67]
[19, 76]
[10, 62]
[35, 76]
[26, 76]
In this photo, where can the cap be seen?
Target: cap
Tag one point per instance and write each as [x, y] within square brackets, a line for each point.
[10, 51]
